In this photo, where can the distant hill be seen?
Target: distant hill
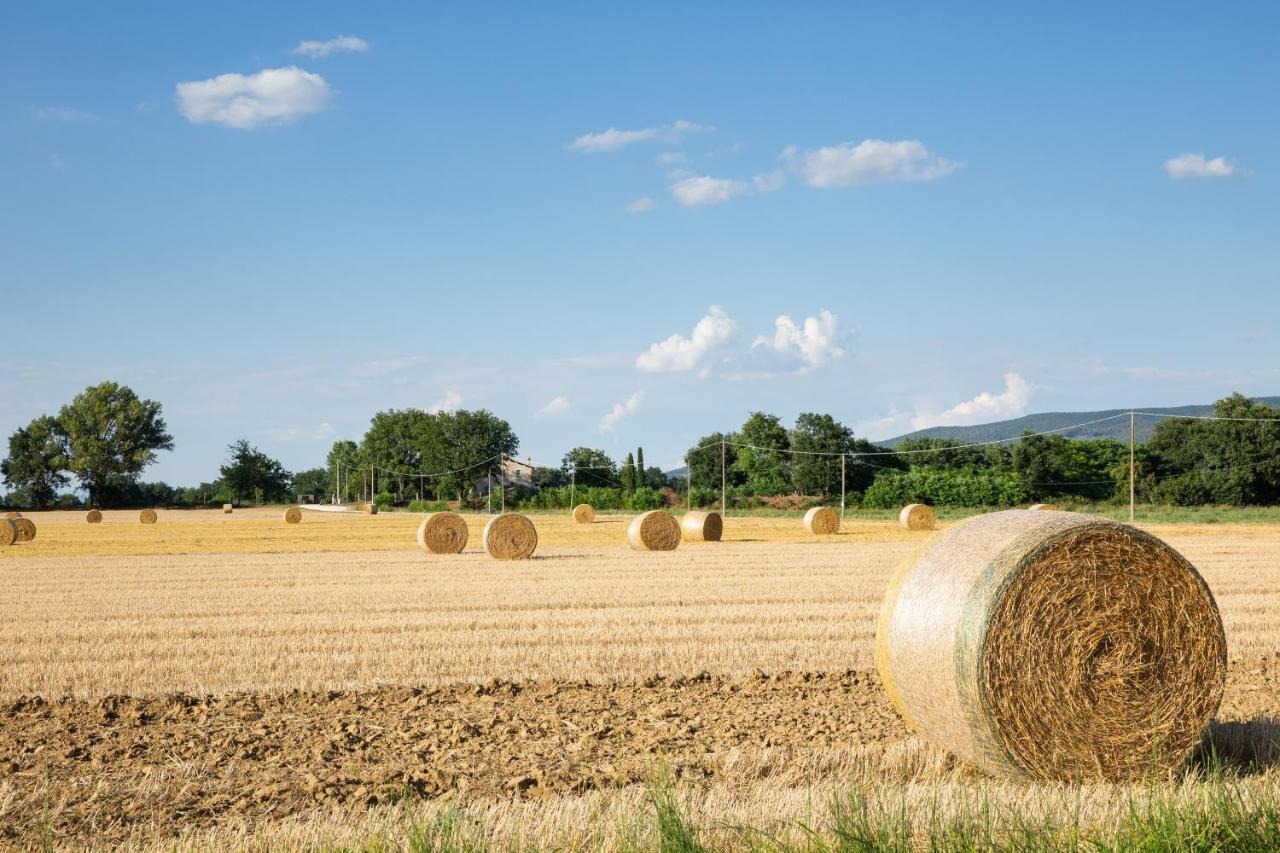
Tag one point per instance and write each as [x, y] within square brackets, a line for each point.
[1117, 427]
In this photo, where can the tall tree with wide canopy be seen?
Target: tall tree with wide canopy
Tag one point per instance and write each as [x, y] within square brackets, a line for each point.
[37, 461]
[110, 432]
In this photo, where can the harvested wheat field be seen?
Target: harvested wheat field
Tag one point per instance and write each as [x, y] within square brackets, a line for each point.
[256, 684]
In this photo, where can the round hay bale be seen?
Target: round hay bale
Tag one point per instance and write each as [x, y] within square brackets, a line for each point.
[93, 516]
[584, 513]
[1044, 507]
[26, 530]
[701, 526]
[293, 515]
[370, 509]
[226, 509]
[13, 515]
[822, 519]
[443, 533]
[656, 530]
[148, 516]
[917, 517]
[510, 536]
[1053, 645]
[8, 532]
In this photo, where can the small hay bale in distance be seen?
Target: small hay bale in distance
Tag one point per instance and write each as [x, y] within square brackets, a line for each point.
[917, 517]
[443, 533]
[699, 526]
[8, 532]
[656, 530]
[226, 509]
[93, 516]
[510, 536]
[148, 516]
[822, 520]
[584, 513]
[370, 509]
[1053, 645]
[293, 515]
[26, 529]
[1043, 507]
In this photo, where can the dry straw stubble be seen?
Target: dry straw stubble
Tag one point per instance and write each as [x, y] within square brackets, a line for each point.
[93, 516]
[148, 516]
[584, 513]
[917, 517]
[293, 515]
[821, 520]
[1053, 645]
[443, 533]
[702, 526]
[656, 530]
[510, 536]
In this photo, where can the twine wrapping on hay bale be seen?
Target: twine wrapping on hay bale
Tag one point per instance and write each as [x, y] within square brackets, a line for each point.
[148, 516]
[1053, 645]
[93, 516]
[822, 519]
[26, 530]
[1044, 507]
[584, 513]
[293, 515]
[917, 517]
[443, 533]
[370, 509]
[510, 536]
[226, 509]
[702, 526]
[8, 532]
[656, 530]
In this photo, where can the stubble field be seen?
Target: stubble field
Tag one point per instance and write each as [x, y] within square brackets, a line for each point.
[234, 681]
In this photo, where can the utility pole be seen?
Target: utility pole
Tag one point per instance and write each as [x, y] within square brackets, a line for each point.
[724, 505]
[489, 497]
[501, 485]
[1132, 491]
[842, 487]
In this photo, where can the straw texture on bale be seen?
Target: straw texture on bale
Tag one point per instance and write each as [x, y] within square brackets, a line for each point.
[13, 515]
[93, 516]
[8, 532]
[822, 519]
[510, 536]
[293, 515]
[148, 516]
[584, 513]
[370, 509]
[26, 529]
[1044, 507]
[442, 533]
[702, 526]
[1053, 645]
[226, 509]
[656, 530]
[917, 517]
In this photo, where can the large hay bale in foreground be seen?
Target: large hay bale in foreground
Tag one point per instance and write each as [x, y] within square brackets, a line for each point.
[584, 513]
[917, 517]
[656, 530]
[1053, 645]
[1044, 507]
[822, 519]
[701, 526]
[26, 530]
[8, 532]
[293, 515]
[227, 508]
[510, 536]
[148, 516]
[93, 516]
[443, 533]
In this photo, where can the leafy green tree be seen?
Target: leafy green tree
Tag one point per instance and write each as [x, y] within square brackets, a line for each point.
[595, 468]
[943, 453]
[473, 441]
[1052, 465]
[111, 432]
[344, 461]
[628, 476]
[549, 478]
[819, 440]
[37, 461]
[762, 458]
[703, 460]
[314, 481]
[640, 478]
[252, 476]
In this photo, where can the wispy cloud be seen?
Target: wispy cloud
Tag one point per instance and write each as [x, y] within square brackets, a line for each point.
[1010, 403]
[1188, 166]
[678, 353]
[341, 44]
[640, 205]
[868, 162]
[621, 410]
[273, 96]
[450, 402]
[704, 190]
[63, 114]
[555, 406]
[613, 138]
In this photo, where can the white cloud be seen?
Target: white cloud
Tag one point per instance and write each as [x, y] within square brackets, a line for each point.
[769, 183]
[448, 403]
[1196, 166]
[621, 410]
[272, 96]
[613, 138]
[640, 205]
[342, 44]
[555, 406]
[702, 190]
[62, 114]
[983, 408]
[671, 157]
[810, 344]
[868, 162]
[679, 353]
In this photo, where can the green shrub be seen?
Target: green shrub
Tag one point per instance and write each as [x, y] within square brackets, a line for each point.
[384, 500]
[945, 487]
[644, 499]
[428, 506]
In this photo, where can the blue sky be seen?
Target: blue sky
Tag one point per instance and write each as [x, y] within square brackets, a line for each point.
[961, 215]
